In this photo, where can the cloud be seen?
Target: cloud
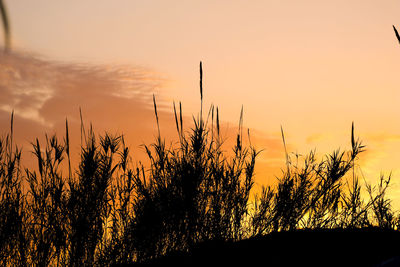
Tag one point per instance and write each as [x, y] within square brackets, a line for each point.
[42, 90]
[44, 93]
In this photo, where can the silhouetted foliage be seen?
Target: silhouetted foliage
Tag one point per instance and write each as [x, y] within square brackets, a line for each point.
[191, 193]
[13, 247]
[110, 211]
[47, 227]
[313, 195]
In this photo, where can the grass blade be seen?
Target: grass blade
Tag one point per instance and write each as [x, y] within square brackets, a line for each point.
[155, 111]
[284, 144]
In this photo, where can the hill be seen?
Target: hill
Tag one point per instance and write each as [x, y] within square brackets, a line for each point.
[324, 247]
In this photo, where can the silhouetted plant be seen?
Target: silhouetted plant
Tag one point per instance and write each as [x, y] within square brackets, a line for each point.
[261, 221]
[13, 247]
[309, 195]
[121, 195]
[88, 204]
[382, 213]
[354, 213]
[110, 211]
[47, 225]
[192, 191]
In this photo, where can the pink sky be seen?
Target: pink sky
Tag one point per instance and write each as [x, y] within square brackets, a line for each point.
[311, 66]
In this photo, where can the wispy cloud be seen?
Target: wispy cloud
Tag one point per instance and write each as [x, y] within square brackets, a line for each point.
[44, 93]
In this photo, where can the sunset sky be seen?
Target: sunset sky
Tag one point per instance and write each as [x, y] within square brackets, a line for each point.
[309, 66]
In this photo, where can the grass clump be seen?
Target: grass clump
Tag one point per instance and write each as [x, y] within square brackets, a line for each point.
[13, 248]
[191, 192]
[323, 194]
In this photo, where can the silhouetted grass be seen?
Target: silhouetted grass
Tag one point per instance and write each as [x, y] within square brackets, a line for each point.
[110, 211]
[191, 193]
[13, 247]
[308, 195]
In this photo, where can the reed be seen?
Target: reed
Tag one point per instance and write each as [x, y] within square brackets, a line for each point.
[110, 211]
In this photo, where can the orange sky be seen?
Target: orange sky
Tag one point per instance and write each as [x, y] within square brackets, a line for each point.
[311, 66]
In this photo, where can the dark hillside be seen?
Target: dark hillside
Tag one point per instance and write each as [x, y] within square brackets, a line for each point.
[327, 247]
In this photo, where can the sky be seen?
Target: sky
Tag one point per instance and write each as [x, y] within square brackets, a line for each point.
[312, 67]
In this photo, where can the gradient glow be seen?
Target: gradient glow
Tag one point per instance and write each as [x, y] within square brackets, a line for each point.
[311, 66]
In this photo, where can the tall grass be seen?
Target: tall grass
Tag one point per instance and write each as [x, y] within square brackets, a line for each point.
[191, 193]
[110, 211]
[13, 212]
